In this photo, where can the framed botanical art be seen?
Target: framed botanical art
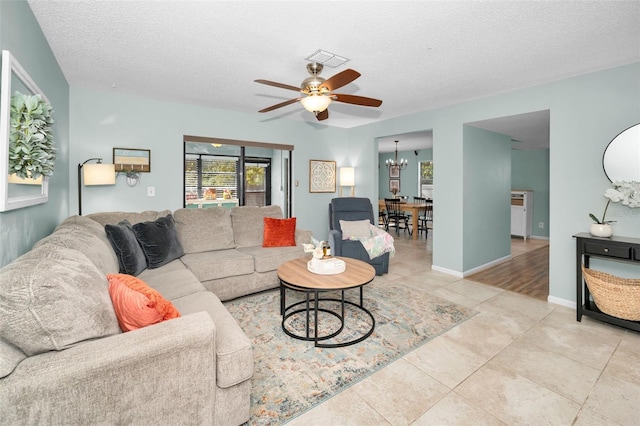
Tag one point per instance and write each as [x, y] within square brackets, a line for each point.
[394, 172]
[26, 162]
[322, 176]
[394, 186]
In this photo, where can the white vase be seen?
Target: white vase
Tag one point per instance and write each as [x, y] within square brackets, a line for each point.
[601, 230]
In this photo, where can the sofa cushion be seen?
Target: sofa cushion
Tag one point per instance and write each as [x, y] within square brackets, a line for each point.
[234, 352]
[159, 241]
[173, 280]
[131, 258]
[218, 264]
[111, 218]
[52, 298]
[279, 232]
[270, 258]
[248, 224]
[10, 357]
[203, 230]
[88, 237]
[136, 304]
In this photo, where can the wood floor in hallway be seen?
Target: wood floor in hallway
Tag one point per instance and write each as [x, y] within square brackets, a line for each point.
[526, 273]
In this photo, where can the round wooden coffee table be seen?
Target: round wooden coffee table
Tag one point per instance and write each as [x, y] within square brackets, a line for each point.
[294, 275]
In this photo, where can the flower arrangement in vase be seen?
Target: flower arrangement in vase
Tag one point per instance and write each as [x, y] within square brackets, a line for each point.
[626, 193]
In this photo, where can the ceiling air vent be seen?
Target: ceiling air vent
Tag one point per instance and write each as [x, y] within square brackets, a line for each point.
[327, 59]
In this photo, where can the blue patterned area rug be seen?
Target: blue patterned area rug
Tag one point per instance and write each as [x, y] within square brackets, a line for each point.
[292, 376]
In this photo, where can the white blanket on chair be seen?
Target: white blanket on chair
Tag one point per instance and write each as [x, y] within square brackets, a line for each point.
[378, 243]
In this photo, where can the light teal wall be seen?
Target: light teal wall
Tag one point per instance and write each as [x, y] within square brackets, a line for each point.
[101, 120]
[530, 170]
[408, 176]
[21, 35]
[487, 190]
[586, 113]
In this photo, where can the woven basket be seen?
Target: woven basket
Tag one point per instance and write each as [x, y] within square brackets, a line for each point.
[615, 296]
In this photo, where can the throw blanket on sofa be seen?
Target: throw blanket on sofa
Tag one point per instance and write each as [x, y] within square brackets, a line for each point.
[379, 243]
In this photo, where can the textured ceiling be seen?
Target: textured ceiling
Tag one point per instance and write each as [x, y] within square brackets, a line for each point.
[415, 56]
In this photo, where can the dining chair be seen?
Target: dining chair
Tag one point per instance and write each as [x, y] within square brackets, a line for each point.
[395, 216]
[426, 215]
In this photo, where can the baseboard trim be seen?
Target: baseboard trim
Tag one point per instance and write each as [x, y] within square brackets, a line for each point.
[486, 266]
[562, 302]
[447, 271]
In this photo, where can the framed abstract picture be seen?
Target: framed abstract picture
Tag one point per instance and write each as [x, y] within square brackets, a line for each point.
[132, 160]
[322, 176]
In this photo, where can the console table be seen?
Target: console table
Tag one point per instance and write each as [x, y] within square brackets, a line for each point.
[613, 248]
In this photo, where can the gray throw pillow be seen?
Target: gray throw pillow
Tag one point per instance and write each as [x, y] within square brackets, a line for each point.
[131, 258]
[159, 241]
[53, 298]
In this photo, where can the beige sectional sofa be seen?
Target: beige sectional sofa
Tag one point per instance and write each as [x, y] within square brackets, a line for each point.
[64, 359]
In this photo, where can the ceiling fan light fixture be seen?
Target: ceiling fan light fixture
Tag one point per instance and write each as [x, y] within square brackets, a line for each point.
[315, 103]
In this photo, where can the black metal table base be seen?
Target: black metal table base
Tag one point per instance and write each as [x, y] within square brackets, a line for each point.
[312, 305]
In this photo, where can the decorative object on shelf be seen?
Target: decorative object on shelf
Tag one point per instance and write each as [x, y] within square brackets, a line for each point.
[210, 194]
[27, 152]
[603, 230]
[347, 178]
[626, 193]
[395, 166]
[316, 248]
[94, 174]
[132, 162]
[321, 261]
[615, 296]
[330, 266]
[322, 176]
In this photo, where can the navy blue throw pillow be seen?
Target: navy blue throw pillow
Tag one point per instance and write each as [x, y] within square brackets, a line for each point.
[159, 241]
[131, 258]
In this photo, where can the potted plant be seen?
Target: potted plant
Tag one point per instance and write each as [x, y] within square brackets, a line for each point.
[627, 193]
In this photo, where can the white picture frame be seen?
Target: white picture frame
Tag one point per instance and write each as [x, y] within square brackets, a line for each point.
[15, 195]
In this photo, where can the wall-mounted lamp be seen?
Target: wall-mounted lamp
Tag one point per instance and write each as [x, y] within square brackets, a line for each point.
[348, 178]
[94, 174]
[132, 177]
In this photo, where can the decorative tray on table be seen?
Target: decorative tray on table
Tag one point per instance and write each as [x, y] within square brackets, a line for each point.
[326, 266]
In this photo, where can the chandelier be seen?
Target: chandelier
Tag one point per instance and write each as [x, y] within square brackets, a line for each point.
[395, 165]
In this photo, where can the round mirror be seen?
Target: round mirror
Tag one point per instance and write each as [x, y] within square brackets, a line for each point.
[621, 159]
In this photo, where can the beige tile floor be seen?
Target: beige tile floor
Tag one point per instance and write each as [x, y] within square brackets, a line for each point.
[519, 361]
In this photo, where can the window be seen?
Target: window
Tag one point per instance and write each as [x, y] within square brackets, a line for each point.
[210, 177]
[229, 173]
[425, 178]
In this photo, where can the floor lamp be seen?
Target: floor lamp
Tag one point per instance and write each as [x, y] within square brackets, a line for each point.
[94, 174]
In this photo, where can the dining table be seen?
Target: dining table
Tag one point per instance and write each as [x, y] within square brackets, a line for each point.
[413, 208]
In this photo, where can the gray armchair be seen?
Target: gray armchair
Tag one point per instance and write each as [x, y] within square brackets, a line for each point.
[352, 208]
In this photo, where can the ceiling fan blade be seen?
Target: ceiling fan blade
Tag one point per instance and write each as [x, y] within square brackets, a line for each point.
[341, 79]
[280, 105]
[323, 115]
[280, 85]
[357, 100]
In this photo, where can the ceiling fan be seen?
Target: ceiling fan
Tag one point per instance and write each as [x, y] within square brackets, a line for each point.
[318, 92]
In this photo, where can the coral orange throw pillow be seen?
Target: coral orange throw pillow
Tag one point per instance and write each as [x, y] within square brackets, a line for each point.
[136, 304]
[279, 232]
